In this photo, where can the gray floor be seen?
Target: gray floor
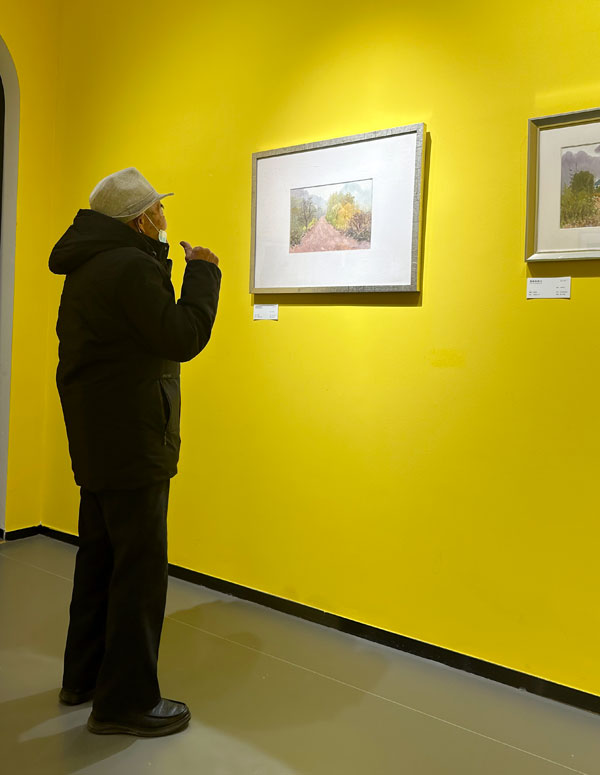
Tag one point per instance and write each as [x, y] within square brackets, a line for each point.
[269, 694]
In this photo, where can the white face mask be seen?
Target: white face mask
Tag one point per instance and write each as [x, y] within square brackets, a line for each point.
[162, 234]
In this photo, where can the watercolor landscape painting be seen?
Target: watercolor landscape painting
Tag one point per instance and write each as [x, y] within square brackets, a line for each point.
[580, 187]
[331, 217]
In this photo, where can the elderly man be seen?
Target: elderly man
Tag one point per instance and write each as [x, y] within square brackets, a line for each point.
[122, 337]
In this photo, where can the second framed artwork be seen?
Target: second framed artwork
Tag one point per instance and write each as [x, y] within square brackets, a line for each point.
[340, 215]
[563, 187]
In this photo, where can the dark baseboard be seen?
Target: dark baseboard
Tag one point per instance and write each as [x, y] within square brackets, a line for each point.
[26, 532]
[66, 538]
[503, 675]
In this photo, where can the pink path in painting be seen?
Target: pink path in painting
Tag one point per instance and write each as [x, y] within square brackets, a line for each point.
[323, 236]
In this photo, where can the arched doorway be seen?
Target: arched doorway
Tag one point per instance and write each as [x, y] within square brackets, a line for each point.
[1, 148]
[9, 156]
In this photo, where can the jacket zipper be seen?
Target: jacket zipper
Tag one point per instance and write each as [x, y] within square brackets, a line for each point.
[166, 395]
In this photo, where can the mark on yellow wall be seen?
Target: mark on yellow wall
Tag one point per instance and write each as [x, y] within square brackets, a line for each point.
[447, 359]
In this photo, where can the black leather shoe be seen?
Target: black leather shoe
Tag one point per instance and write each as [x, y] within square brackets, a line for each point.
[165, 718]
[75, 698]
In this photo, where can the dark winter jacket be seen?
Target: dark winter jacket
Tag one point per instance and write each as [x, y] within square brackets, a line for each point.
[121, 339]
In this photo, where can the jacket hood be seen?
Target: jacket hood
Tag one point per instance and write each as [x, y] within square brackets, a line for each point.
[92, 233]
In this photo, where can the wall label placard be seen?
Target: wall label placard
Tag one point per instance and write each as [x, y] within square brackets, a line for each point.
[266, 312]
[548, 287]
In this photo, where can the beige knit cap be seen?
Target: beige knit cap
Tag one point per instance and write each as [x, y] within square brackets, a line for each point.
[124, 195]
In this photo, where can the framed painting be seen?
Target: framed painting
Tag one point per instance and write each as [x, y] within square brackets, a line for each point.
[339, 216]
[563, 187]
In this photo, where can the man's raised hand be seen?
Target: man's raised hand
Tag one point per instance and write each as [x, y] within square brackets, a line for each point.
[198, 254]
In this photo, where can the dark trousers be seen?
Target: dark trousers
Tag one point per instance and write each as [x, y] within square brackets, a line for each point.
[119, 595]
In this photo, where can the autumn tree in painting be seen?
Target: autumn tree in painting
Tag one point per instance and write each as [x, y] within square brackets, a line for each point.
[304, 214]
[345, 215]
[359, 226]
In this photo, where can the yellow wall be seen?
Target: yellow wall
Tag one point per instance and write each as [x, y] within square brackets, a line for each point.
[31, 36]
[425, 468]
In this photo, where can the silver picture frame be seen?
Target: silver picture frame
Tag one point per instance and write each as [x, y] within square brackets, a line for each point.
[408, 218]
[546, 236]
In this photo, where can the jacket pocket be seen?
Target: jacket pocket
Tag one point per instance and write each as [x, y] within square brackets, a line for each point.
[169, 388]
